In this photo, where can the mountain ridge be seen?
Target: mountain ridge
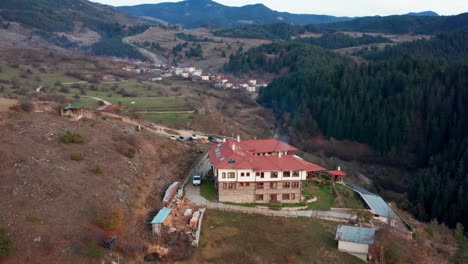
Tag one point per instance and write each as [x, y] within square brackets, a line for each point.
[198, 13]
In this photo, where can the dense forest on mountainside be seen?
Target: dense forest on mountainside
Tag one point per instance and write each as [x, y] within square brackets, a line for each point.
[386, 25]
[402, 24]
[49, 18]
[279, 57]
[410, 110]
[451, 46]
[340, 40]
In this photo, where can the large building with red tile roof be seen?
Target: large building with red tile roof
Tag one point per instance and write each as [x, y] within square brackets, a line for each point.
[259, 171]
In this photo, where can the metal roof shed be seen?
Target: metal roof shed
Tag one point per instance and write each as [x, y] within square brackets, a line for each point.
[158, 221]
[355, 240]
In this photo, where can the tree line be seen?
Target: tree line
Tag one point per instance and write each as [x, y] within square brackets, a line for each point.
[410, 108]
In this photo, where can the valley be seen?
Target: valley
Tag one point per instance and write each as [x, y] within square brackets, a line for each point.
[102, 108]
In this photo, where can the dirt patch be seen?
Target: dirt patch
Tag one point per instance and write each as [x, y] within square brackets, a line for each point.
[5, 104]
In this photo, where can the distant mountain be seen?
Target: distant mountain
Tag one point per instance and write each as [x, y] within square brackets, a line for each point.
[197, 13]
[425, 13]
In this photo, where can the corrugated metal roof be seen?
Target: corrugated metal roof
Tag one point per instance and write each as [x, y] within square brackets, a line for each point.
[375, 202]
[355, 234]
[161, 216]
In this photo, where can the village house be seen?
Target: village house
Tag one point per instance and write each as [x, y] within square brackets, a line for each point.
[251, 89]
[205, 77]
[252, 82]
[355, 240]
[197, 73]
[73, 111]
[185, 74]
[259, 171]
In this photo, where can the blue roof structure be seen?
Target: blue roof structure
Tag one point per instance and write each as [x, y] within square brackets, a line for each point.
[377, 205]
[355, 234]
[161, 216]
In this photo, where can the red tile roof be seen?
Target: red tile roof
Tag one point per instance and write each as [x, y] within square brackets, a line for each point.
[233, 155]
[266, 145]
[337, 173]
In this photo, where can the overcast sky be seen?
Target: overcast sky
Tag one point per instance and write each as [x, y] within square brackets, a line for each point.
[336, 7]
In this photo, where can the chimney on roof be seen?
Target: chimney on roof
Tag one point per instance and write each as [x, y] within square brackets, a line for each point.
[280, 154]
[339, 168]
[224, 139]
[233, 147]
[238, 138]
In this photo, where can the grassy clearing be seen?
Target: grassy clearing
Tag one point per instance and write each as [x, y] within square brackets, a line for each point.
[323, 193]
[171, 120]
[207, 190]
[240, 238]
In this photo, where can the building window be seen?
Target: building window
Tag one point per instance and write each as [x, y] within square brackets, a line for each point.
[257, 174]
[231, 175]
[232, 186]
[259, 185]
[293, 196]
[295, 174]
[262, 175]
[286, 185]
[224, 186]
[247, 184]
[273, 185]
[259, 197]
[242, 174]
[285, 196]
[286, 174]
[274, 174]
[295, 185]
[273, 197]
[241, 184]
[248, 174]
[224, 175]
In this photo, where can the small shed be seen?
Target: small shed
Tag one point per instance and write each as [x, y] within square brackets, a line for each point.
[74, 111]
[170, 193]
[161, 219]
[355, 240]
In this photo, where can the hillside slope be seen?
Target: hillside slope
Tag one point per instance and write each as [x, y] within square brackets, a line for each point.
[50, 199]
[197, 13]
[67, 25]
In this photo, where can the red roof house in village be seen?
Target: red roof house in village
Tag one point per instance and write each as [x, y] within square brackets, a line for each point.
[259, 171]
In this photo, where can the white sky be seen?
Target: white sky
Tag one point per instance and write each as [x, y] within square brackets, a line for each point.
[336, 7]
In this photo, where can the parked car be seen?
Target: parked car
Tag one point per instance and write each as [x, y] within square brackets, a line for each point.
[181, 138]
[173, 137]
[196, 179]
[212, 139]
[194, 136]
[190, 139]
[152, 124]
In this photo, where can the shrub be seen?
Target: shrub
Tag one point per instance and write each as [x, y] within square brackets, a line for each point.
[97, 170]
[32, 217]
[130, 153]
[110, 218]
[77, 156]
[6, 246]
[94, 251]
[26, 105]
[70, 137]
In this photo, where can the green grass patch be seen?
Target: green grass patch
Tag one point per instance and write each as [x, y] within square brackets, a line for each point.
[208, 191]
[6, 245]
[323, 192]
[247, 238]
[170, 119]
